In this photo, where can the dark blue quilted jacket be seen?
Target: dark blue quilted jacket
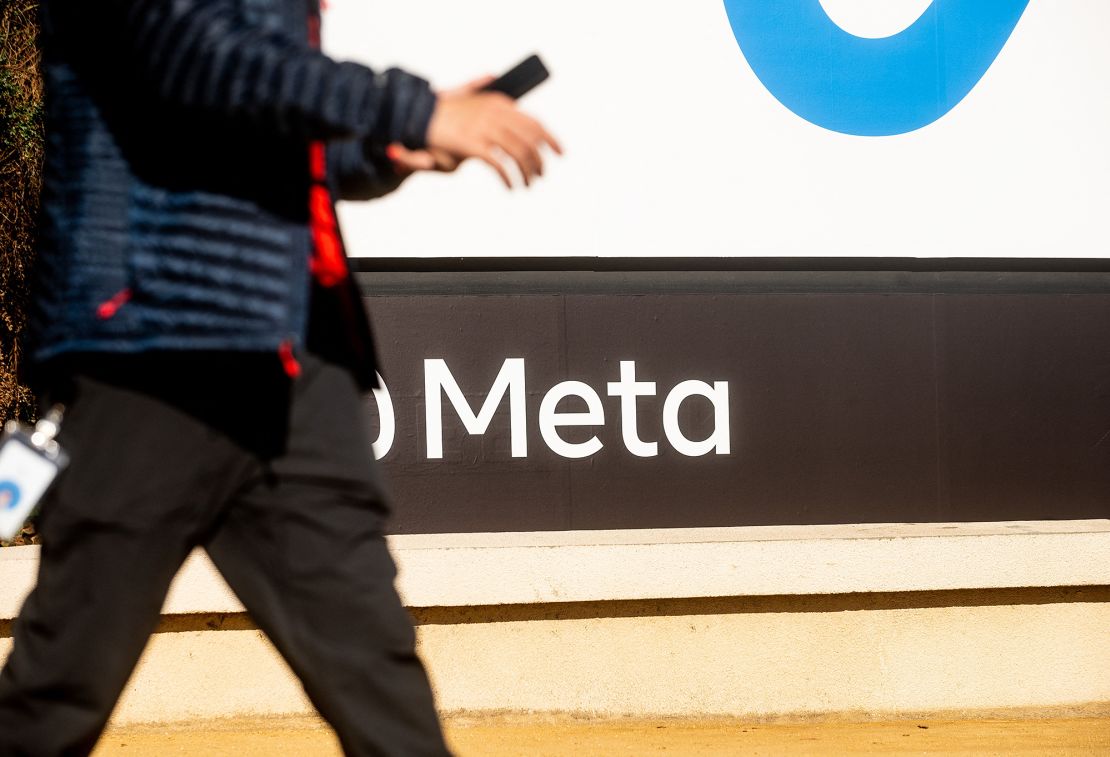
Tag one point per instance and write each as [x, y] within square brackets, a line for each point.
[175, 206]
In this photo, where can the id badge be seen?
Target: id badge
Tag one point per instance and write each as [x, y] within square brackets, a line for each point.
[30, 460]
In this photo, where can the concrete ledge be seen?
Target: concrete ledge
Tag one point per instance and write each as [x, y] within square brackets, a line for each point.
[484, 569]
[751, 622]
[454, 570]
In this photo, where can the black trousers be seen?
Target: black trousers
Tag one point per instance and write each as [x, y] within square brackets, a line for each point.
[276, 480]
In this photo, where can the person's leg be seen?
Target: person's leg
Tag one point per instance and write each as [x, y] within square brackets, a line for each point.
[115, 529]
[304, 551]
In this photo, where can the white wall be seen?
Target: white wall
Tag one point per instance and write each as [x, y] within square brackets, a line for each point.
[675, 148]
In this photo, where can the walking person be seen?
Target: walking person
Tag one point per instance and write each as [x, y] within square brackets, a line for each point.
[195, 314]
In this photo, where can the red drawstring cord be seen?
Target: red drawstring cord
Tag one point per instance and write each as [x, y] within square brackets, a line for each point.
[328, 262]
[288, 360]
[110, 307]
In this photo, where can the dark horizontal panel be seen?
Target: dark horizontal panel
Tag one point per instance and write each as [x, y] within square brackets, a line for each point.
[524, 282]
[739, 263]
[842, 407]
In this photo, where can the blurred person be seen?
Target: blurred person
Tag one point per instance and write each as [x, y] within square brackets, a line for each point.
[195, 313]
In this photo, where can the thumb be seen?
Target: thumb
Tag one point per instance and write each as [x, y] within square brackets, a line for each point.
[408, 161]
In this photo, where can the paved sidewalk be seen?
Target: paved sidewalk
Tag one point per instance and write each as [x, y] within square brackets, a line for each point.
[535, 737]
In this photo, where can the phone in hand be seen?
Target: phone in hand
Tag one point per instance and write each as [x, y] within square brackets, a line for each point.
[520, 79]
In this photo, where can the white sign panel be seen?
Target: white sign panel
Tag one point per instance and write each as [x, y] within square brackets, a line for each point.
[892, 128]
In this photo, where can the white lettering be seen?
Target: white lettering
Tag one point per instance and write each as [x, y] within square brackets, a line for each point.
[628, 389]
[719, 439]
[387, 421]
[550, 419]
[438, 378]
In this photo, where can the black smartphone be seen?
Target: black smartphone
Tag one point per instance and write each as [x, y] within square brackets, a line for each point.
[521, 78]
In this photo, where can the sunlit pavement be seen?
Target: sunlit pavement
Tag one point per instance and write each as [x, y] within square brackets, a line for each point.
[549, 737]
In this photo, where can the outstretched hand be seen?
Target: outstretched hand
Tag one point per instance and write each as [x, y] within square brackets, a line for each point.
[471, 123]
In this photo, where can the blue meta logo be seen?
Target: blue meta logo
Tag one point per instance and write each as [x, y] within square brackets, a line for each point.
[871, 87]
[9, 495]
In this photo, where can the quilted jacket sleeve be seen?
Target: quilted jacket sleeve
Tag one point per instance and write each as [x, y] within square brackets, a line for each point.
[359, 173]
[202, 55]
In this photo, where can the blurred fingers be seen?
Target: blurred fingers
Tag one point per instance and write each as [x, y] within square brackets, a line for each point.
[490, 158]
[524, 153]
